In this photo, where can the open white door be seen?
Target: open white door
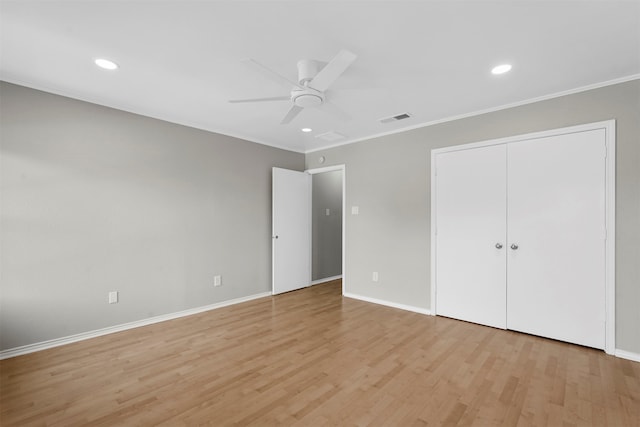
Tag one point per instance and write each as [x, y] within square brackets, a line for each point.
[291, 231]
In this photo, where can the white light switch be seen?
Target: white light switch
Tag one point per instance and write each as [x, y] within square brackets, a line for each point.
[327, 212]
[354, 210]
[375, 276]
[113, 297]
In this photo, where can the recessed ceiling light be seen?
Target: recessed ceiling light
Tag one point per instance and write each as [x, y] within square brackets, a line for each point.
[501, 69]
[306, 130]
[106, 64]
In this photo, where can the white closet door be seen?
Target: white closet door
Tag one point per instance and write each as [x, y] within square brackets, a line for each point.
[470, 222]
[556, 217]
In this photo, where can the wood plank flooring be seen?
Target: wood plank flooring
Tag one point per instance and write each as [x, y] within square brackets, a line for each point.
[314, 358]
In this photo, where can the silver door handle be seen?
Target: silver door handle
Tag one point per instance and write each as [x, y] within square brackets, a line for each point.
[498, 245]
[514, 246]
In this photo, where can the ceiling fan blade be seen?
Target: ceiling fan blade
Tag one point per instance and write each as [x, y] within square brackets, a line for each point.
[269, 73]
[273, 98]
[335, 111]
[332, 70]
[293, 112]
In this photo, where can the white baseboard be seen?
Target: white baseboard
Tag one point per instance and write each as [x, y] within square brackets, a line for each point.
[326, 279]
[618, 353]
[627, 355]
[389, 303]
[44, 345]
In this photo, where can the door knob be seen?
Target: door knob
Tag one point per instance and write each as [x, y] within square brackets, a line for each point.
[275, 237]
[498, 245]
[514, 246]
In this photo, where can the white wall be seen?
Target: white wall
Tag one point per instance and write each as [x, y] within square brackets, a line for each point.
[389, 179]
[95, 199]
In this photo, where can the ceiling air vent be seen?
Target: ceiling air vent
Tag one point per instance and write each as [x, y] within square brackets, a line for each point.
[331, 136]
[395, 118]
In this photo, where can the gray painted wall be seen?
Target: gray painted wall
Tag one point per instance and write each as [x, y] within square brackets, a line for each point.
[389, 179]
[327, 229]
[95, 199]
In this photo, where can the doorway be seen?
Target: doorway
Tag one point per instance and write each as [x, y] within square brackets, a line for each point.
[292, 230]
[523, 233]
[328, 224]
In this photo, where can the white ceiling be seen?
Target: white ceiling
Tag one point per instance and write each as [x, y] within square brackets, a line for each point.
[180, 61]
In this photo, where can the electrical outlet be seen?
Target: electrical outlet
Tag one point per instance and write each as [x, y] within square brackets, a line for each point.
[217, 280]
[375, 276]
[113, 297]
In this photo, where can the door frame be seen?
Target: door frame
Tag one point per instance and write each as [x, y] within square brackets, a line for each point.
[342, 168]
[609, 127]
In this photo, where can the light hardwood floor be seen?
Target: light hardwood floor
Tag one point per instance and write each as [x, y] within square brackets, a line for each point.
[314, 358]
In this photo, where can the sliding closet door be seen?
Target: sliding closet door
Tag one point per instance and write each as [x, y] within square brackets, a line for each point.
[470, 235]
[556, 237]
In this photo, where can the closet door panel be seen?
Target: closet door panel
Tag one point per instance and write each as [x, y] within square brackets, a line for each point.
[556, 217]
[470, 222]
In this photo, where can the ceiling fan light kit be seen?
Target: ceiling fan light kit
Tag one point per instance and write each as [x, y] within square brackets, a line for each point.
[307, 98]
[309, 90]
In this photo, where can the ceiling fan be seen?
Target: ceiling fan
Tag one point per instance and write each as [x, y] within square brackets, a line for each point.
[309, 90]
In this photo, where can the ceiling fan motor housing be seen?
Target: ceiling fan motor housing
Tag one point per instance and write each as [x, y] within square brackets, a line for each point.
[307, 70]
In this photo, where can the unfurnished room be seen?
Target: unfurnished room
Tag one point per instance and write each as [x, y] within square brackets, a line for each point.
[320, 213]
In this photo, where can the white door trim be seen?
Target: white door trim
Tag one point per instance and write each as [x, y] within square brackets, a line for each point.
[344, 204]
[610, 164]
